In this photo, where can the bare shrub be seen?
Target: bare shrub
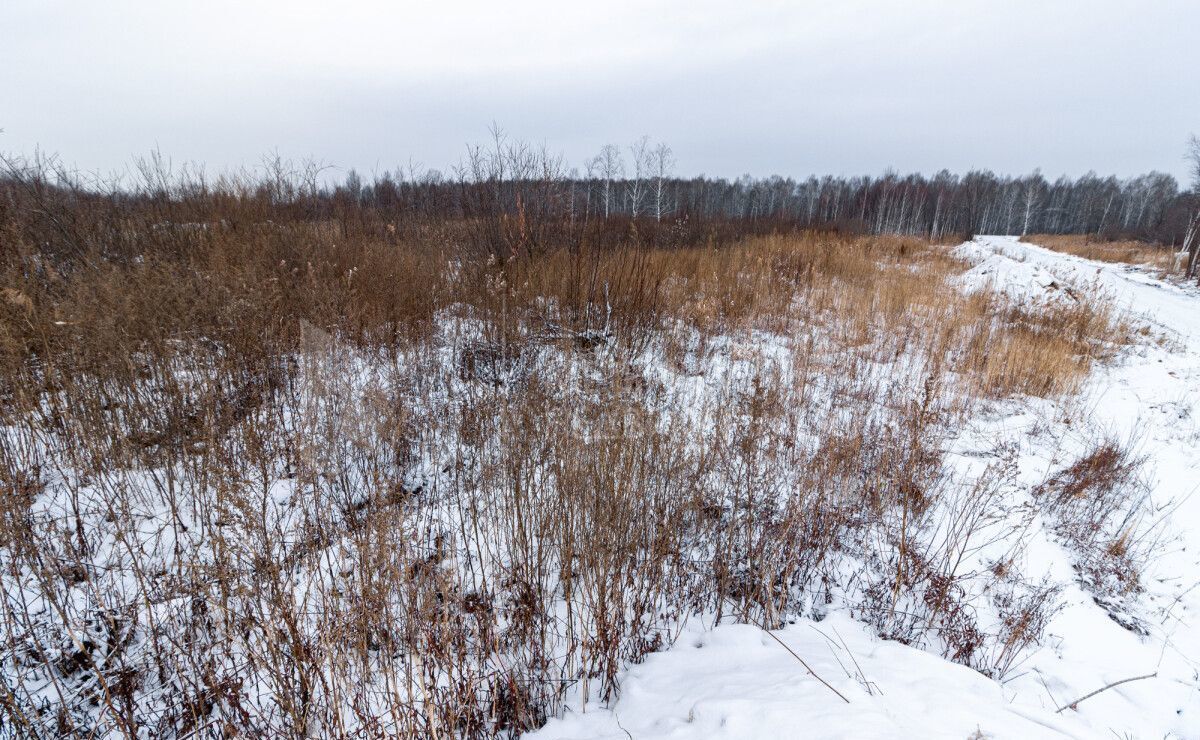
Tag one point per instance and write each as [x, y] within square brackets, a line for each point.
[1024, 610]
[1098, 505]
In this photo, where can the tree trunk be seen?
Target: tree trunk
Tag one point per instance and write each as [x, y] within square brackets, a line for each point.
[1192, 245]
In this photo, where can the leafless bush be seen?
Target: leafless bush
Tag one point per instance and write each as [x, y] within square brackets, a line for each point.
[1024, 610]
[1098, 505]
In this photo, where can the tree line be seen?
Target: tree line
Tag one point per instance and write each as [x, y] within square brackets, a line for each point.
[508, 198]
[638, 182]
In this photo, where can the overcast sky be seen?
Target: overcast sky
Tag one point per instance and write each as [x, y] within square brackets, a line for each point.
[794, 88]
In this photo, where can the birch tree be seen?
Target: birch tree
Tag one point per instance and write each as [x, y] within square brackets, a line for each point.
[610, 167]
[1031, 195]
[662, 162]
[635, 189]
[1191, 243]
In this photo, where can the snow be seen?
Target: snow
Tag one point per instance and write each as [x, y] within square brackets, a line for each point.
[1019, 269]
[735, 681]
[1016, 278]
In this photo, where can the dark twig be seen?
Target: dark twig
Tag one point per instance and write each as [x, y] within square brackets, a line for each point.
[807, 667]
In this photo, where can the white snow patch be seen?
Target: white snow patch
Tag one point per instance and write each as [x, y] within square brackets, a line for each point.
[735, 681]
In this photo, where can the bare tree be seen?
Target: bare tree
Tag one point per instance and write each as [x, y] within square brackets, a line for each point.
[1191, 242]
[635, 189]
[609, 165]
[589, 177]
[662, 162]
[1031, 195]
[1193, 157]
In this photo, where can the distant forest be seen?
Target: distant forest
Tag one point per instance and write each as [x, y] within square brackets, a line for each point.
[520, 181]
[509, 198]
[1149, 206]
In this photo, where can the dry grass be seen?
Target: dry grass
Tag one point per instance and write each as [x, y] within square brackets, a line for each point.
[283, 478]
[1125, 251]
[1096, 502]
[1039, 351]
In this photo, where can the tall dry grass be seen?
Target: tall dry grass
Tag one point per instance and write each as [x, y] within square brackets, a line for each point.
[280, 477]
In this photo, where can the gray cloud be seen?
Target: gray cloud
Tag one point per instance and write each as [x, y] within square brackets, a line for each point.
[768, 87]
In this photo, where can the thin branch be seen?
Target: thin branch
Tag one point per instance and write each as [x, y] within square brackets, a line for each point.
[807, 667]
[1071, 705]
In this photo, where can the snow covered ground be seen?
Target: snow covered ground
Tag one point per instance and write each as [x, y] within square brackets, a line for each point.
[736, 681]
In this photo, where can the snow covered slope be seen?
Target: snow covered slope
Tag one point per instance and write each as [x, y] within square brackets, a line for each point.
[735, 681]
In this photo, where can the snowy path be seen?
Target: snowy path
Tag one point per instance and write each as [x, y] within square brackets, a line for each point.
[734, 681]
[1166, 305]
[1151, 398]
